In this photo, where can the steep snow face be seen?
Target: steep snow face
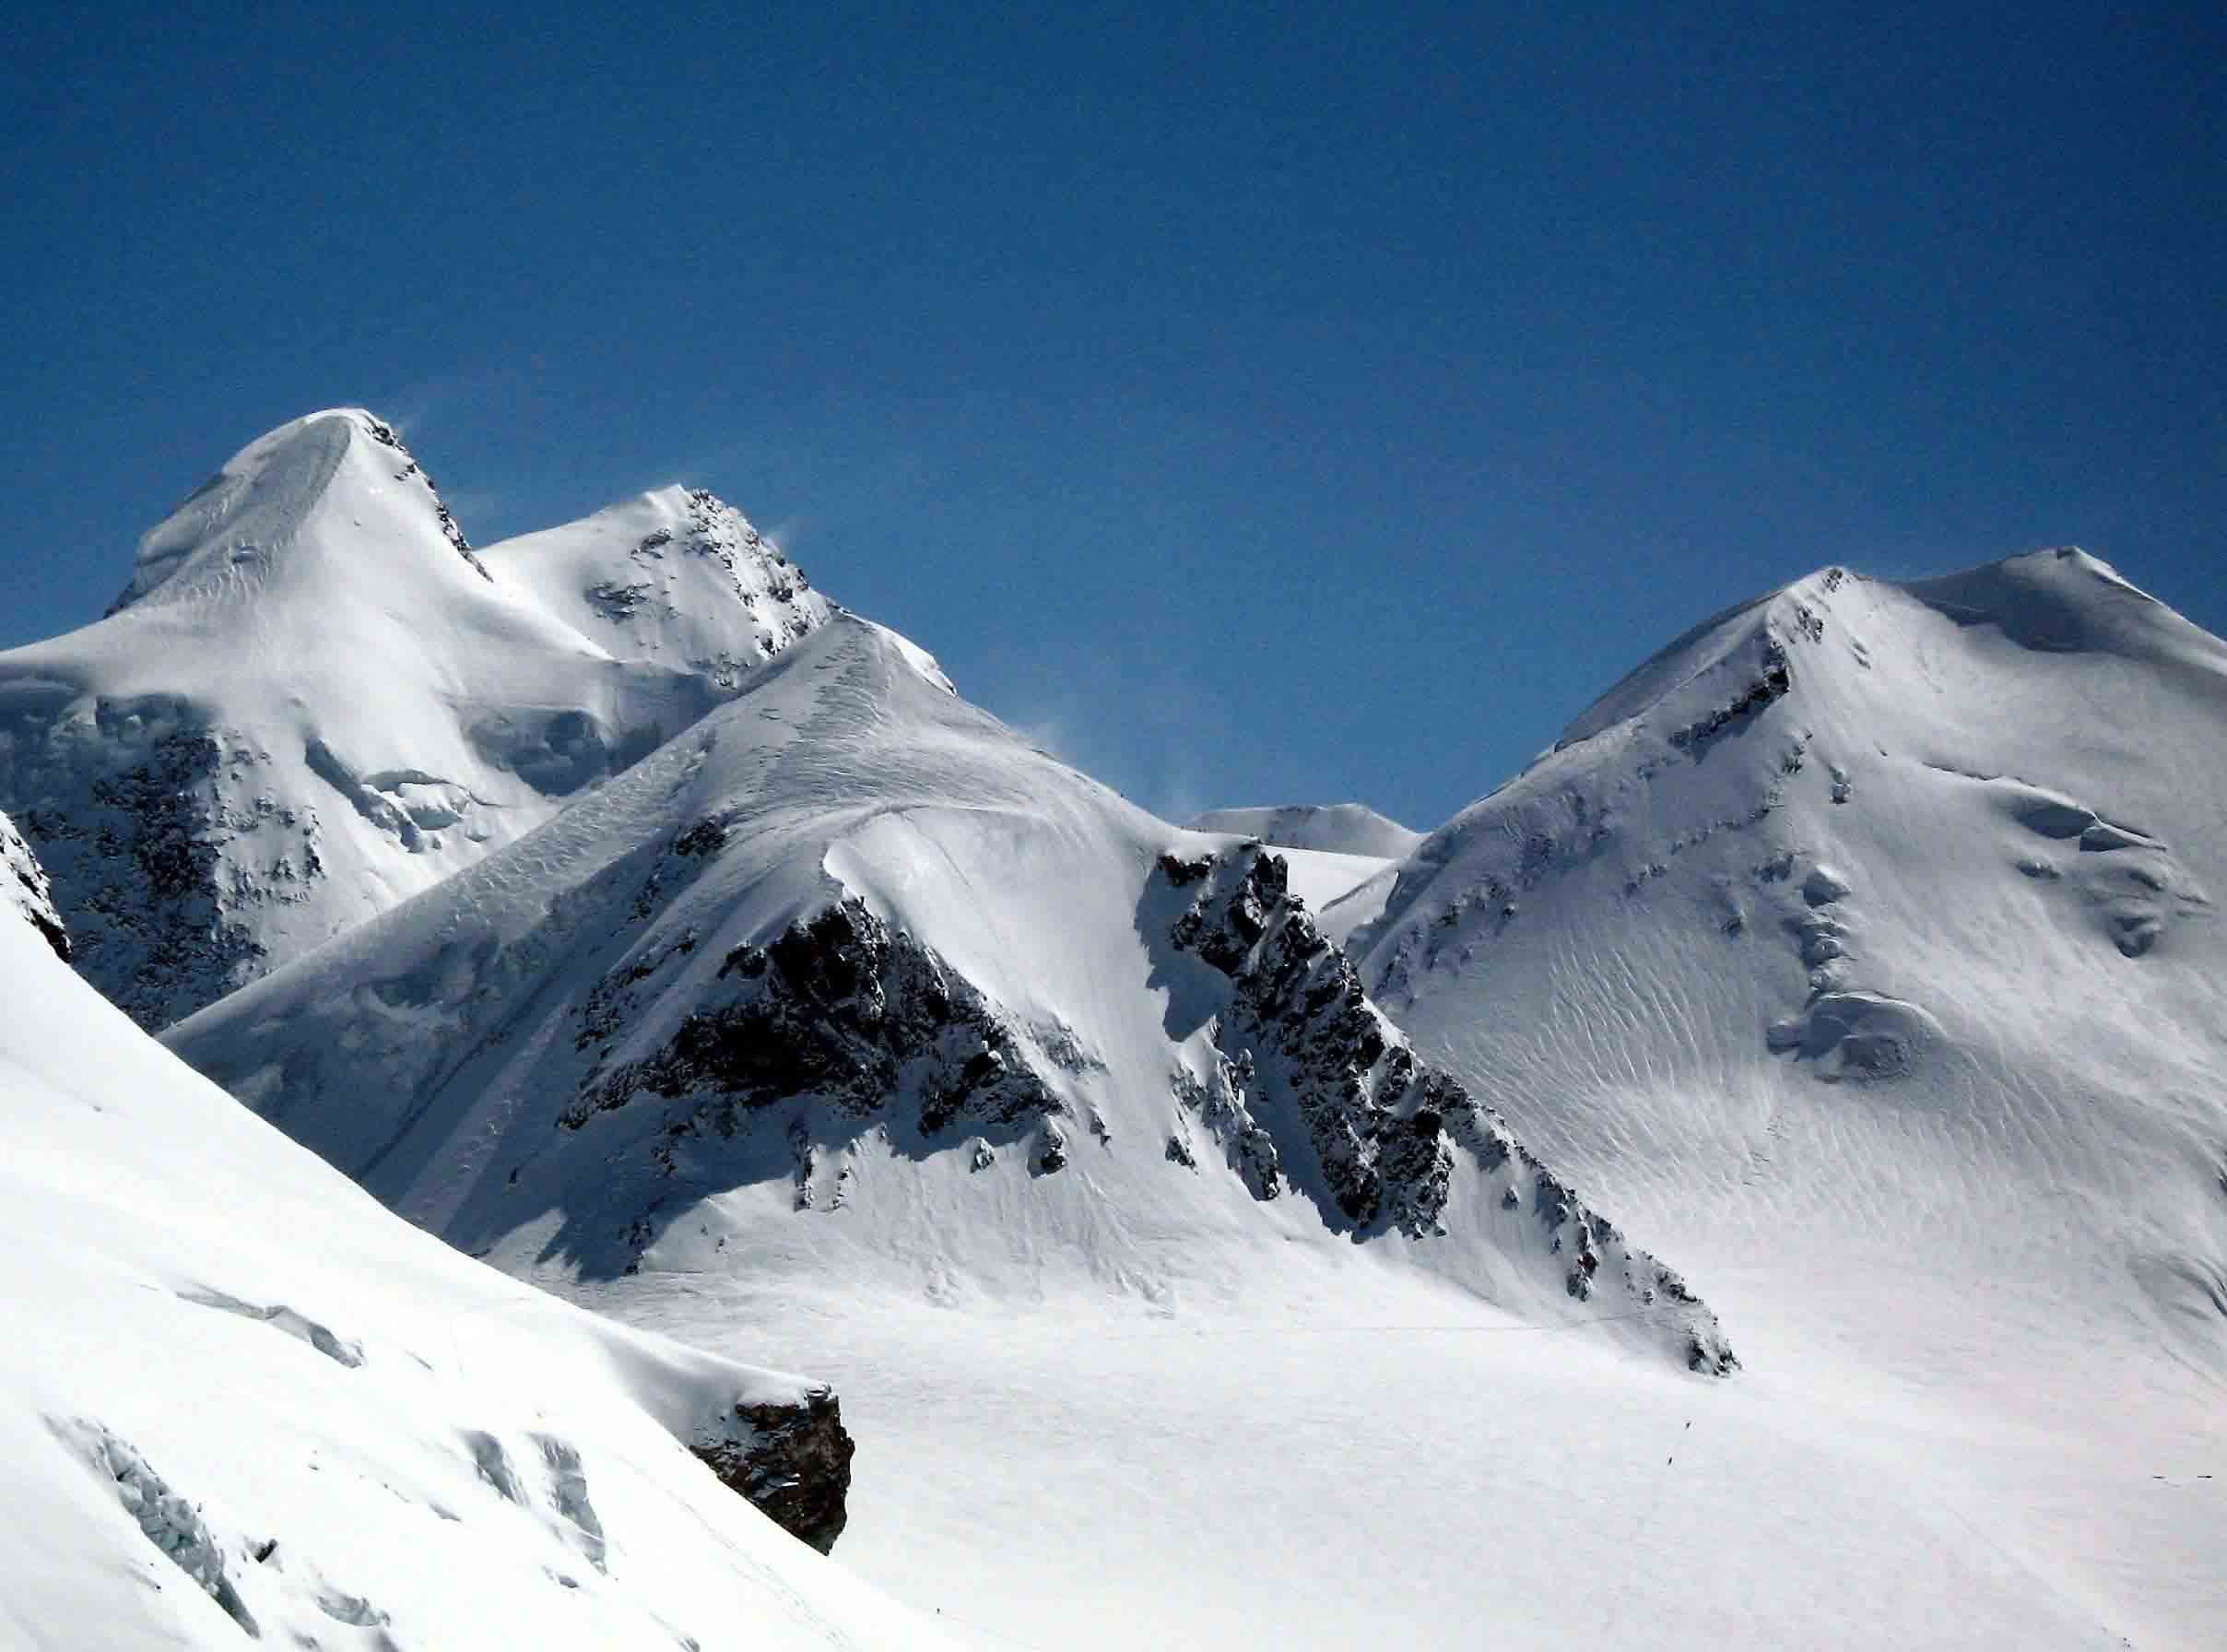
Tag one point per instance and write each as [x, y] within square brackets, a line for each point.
[1335, 828]
[239, 1399]
[1863, 948]
[851, 983]
[314, 700]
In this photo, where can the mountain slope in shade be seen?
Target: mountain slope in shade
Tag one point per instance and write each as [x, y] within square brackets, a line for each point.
[240, 1402]
[851, 983]
[1863, 945]
[313, 699]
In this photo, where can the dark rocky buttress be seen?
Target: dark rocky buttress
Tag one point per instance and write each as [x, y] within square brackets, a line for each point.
[793, 1461]
[1315, 1086]
[836, 1008]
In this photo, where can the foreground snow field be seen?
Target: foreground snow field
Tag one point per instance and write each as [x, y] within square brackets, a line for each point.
[1351, 1457]
[239, 1398]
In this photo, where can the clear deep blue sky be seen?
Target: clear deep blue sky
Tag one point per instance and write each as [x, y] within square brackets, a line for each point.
[1258, 406]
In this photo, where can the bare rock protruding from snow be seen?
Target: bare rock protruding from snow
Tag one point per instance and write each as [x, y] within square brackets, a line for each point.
[23, 885]
[1338, 858]
[1332, 827]
[240, 1400]
[314, 699]
[849, 985]
[792, 1459]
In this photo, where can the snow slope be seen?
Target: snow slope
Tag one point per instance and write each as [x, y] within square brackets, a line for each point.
[852, 983]
[238, 1399]
[313, 699]
[1863, 946]
[25, 889]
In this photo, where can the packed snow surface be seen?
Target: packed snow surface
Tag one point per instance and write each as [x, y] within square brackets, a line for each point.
[314, 700]
[239, 1399]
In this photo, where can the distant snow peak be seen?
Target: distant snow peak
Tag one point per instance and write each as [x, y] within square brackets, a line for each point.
[383, 433]
[1382, 1138]
[675, 576]
[304, 710]
[236, 528]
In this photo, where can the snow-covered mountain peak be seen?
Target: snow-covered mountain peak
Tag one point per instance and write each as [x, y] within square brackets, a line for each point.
[316, 700]
[339, 474]
[674, 575]
[1889, 909]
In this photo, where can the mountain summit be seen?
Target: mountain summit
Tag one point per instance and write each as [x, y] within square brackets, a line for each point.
[314, 700]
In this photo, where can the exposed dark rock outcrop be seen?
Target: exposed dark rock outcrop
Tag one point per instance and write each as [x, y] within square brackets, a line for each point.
[793, 1461]
[1771, 684]
[1316, 1087]
[383, 433]
[837, 1007]
[129, 820]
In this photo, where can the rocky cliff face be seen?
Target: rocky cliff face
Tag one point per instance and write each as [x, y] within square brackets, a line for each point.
[792, 1461]
[1314, 1088]
[23, 885]
[159, 863]
[836, 1010]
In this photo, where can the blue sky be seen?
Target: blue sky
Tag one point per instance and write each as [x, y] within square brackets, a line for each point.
[1259, 404]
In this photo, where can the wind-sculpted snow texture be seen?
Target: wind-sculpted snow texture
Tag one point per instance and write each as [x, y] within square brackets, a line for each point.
[850, 978]
[238, 1400]
[313, 699]
[1862, 949]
